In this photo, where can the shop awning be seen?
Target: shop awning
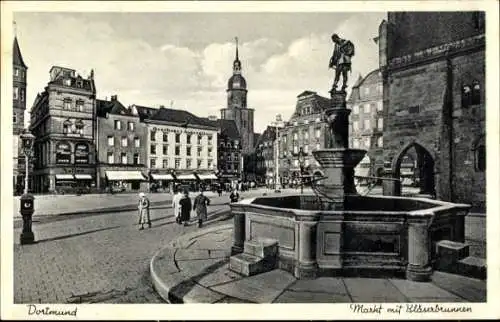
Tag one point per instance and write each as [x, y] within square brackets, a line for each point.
[124, 175]
[64, 177]
[83, 176]
[157, 176]
[210, 176]
[186, 177]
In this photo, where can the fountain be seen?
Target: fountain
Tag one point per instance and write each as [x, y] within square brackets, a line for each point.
[336, 230]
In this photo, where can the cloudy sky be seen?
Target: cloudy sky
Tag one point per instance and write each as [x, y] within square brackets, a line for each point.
[186, 59]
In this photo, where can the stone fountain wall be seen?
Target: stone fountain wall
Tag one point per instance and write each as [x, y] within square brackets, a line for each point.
[381, 234]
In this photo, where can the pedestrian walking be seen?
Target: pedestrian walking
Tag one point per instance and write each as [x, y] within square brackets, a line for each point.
[200, 206]
[186, 207]
[234, 196]
[143, 207]
[176, 205]
[219, 190]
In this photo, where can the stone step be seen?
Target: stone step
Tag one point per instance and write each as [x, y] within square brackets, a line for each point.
[261, 247]
[448, 253]
[472, 267]
[249, 265]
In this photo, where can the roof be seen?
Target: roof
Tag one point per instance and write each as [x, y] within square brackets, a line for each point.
[229, 128]
[306, 93]
[145, 112]
[373, 77]
[17, 58]
[111, 107]
[237, 78]
[269, 134]
[181, 117]
[87, 84]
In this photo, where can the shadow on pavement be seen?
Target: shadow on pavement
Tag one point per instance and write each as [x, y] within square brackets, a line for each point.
[177, 293]
[75, 235]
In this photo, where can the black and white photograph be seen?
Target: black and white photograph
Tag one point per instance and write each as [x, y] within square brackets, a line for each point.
[181, 153]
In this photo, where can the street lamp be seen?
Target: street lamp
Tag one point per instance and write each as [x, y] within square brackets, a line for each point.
[277, 124]
[301, 163]
[27, 200]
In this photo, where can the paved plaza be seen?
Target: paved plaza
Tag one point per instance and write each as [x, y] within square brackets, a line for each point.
[96, 258]
[194, 269]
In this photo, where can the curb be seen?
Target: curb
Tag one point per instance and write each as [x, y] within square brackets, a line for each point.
[165, 286]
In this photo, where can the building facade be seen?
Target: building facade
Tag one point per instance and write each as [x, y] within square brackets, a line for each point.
[237, 109]
[305, 129]
[265, 157]
[366, 123]
[180, 147]
[20, 74]
[121, 141]
[433, 69]
[229, 153]
[63, 123]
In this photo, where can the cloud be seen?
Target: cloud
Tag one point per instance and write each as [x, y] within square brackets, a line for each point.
[145, 72]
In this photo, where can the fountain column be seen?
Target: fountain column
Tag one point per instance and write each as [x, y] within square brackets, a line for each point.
[307, 267]
[418, 268]
[337, 160]
[238, 231]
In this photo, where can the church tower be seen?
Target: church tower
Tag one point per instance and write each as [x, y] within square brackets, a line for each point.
[237, 109]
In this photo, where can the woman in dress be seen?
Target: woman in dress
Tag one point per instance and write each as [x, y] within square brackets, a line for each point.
[143, 207]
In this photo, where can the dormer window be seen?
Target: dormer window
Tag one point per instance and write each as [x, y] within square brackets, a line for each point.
[67, 82]
[79, 83]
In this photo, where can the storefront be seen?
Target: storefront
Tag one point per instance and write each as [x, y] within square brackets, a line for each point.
[209, 181]
[161, 182]
[122, 180]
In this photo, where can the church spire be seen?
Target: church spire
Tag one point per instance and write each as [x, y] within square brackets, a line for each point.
[236, 39]
[236, 63]
[16, 51]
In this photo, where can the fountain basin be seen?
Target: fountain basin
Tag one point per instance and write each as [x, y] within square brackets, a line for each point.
[371, 234]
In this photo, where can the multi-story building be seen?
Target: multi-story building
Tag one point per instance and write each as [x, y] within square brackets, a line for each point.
[20, 73]
[121, 141]
[366, 123]
[265, 157]
[305, 130]
[237, 108]
[179, 146]
[230, 169]
[63, 123]
[433, 70]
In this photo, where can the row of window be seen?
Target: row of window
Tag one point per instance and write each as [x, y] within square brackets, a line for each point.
[369, 89]
[230, 157]
[70, 127]
[130, 125]
[365, 143]
[367, 125]
[123, 158]
[368, 108]
[123, 141]
[68, 104]
[19, 94]
[178, 138]
[189, 150]
[177, 163]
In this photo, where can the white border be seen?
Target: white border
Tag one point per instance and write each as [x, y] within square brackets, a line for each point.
[244, 311]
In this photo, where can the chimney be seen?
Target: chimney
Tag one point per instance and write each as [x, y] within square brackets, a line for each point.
[162, 106]
[114, 98]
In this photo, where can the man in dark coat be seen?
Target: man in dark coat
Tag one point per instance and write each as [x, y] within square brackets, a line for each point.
[185, 204]
[200, 206]
[341, 60]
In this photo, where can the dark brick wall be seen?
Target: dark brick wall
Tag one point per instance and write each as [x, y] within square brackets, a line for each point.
[414, 31]
[469, 125]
